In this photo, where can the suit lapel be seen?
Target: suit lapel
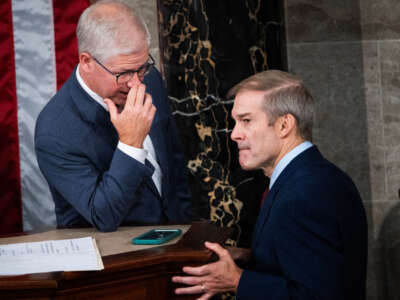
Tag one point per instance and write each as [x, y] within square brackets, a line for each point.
[105, 136]
[159, 148]
[92, 112]
[150, 181]
[158, 143]
[308, 156]
[87, 107]
[265, 212]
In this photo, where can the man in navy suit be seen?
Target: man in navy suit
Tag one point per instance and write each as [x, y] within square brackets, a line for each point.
[106, 142]
[310, 239]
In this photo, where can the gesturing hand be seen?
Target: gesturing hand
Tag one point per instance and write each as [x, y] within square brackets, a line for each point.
[133, 123]
[210, 279]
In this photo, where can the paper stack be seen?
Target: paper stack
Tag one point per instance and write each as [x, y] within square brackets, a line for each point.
[79, 254]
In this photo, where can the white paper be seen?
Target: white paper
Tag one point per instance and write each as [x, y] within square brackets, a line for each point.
[49, 256]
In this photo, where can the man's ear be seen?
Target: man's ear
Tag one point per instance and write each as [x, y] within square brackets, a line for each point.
[286, 125]
[85, 60]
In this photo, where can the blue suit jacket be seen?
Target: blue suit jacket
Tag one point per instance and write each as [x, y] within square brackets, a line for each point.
[91, 180]
[310, 240]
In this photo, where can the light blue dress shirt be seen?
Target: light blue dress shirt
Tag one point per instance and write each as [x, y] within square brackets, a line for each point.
[287, 159]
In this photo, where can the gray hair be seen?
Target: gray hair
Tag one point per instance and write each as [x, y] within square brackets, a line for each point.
[105, 34]
[284, 94]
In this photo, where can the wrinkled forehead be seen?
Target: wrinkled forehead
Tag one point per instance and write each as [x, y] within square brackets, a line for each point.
[247, 102]
[135, 59]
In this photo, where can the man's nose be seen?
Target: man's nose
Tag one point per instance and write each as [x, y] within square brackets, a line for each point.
[235, 134]
[135, 80]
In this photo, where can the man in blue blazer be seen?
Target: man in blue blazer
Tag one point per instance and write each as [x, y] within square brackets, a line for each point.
[106, 142]
[310, 239]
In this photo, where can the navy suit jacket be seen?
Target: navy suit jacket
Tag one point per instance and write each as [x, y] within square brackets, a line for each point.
[94, 183]
[310, 240]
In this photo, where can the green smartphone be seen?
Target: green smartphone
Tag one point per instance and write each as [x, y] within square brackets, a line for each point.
[156, 236]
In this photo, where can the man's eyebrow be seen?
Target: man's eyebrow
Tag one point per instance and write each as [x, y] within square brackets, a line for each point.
[125, 70]
[242, 115]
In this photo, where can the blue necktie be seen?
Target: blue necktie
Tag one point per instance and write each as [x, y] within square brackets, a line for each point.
[149, 164]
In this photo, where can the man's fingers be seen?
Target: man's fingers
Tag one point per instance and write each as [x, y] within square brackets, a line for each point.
[197, 289]
[149, 107]
[219, 276]
[206, 296]
[132, 96]
[188, 280]
[221, 252]
[147, 102]
[152, 113]
[140, 95]
[197, 271]
[111, 108]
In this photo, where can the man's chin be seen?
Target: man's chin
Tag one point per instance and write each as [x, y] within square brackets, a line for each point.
[245, 165]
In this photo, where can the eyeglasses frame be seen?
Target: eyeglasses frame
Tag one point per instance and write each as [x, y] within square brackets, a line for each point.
[147, 64]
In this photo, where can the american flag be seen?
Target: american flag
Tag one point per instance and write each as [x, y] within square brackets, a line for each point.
[38, 51]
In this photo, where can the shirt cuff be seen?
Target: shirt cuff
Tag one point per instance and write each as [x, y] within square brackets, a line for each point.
[137, 153]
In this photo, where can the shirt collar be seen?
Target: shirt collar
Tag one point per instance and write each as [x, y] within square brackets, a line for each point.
[287, 159]
[92, 94]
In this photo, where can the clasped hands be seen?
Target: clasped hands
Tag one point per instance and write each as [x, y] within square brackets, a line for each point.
[213, 278]
[133, 123]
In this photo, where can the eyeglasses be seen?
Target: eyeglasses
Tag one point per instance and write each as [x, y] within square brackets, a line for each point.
[125, 76]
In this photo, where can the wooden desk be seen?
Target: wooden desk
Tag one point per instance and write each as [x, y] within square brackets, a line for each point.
[141, 275]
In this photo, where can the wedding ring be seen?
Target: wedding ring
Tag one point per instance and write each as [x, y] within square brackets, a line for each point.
[202, 288]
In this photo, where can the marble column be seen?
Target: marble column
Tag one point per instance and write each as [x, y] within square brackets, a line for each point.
[207, 47]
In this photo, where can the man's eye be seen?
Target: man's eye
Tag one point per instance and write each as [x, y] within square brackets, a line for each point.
[246, 120]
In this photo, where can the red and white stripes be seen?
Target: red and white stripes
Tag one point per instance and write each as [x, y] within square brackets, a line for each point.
[38, 51]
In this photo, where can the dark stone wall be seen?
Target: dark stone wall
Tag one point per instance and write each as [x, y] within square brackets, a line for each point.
[348, 54]
[206, 48]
